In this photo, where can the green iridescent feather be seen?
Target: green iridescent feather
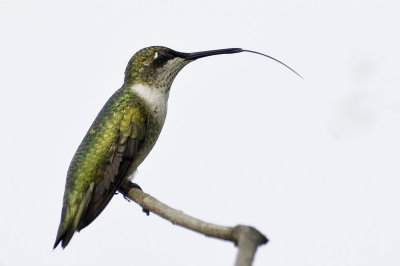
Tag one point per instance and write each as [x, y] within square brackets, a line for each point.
[122, 118]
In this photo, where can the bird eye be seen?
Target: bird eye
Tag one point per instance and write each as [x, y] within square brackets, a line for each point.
[163, 55]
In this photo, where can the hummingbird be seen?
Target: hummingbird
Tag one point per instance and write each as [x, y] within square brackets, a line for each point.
[123, 134]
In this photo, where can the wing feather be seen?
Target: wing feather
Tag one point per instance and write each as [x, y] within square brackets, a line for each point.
[107, 168]
[122, 157]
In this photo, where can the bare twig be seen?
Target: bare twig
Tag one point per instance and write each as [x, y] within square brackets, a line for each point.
[246, 238]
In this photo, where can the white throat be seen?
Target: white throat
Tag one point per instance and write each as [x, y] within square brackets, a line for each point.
[156, 98]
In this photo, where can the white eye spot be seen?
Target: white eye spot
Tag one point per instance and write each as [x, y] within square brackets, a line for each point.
[155, 55]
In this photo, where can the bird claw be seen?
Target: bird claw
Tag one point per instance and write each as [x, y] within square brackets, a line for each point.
[124, 189]
[146, 211]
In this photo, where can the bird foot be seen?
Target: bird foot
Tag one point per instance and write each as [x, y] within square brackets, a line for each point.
[125, 187]
[124, 190]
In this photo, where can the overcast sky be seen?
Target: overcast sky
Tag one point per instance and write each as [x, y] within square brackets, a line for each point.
[313, 163]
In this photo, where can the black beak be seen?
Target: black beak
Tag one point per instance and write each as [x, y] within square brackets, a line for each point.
[197, 55]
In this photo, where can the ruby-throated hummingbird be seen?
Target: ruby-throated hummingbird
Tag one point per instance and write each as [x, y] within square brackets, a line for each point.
[122, 135]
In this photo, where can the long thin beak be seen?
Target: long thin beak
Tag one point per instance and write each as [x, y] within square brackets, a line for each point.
[197, 55]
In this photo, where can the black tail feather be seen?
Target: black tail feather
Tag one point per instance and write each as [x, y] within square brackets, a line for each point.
[65, 237]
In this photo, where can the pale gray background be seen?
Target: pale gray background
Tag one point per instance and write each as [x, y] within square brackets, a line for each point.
[313, 163]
